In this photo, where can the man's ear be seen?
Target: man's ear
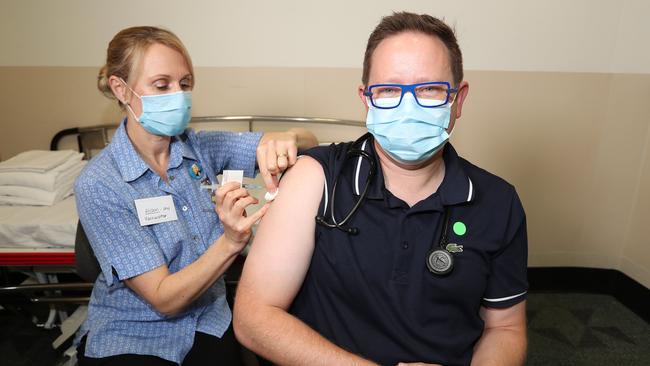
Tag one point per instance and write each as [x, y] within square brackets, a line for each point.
[360, 90]
[461, 95]
[118, 88]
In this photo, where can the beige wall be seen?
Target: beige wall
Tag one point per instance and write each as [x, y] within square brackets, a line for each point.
[634, 258]
[510, 35]
[558, 107]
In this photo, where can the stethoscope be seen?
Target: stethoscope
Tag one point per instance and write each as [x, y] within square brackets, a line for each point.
[439, 260]
[353, 152]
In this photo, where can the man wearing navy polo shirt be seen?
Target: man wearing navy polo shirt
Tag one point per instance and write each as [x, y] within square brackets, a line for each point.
[429, 268]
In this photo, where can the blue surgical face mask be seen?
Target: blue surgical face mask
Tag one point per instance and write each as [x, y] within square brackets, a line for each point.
[409, 133]
[164, 114]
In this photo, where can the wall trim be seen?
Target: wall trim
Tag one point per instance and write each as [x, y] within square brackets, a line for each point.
[629, 292]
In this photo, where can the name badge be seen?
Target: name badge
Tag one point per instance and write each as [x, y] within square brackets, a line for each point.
[155, 210]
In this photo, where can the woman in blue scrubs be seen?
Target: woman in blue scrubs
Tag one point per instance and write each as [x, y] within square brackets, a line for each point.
[162, 242]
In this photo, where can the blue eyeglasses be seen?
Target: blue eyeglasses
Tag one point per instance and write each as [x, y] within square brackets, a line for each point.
[428, 95]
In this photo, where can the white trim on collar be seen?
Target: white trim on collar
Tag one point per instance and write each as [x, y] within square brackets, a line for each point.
[326, 199]
[356, 174]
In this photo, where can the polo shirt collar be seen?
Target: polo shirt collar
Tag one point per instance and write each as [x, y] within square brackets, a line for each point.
[362, 170]
[180, 149]
[130, 164]
[456, 186]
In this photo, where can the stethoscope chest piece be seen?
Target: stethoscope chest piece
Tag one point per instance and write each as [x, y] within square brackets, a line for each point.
[440, 261]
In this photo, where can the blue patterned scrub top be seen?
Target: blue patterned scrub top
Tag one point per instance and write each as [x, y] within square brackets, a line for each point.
[119, 321]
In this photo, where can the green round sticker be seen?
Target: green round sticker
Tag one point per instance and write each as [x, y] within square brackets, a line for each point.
[459, 228]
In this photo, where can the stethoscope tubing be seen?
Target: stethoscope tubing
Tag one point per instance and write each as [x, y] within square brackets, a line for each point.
[439, 260]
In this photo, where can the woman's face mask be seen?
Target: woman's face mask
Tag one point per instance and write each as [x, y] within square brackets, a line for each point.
[410, 133]
[164, 114]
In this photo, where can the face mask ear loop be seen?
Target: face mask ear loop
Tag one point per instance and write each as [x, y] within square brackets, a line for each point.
[128, 106]
[132, 91]
[369, 103]
[132, 113]
[452, 130]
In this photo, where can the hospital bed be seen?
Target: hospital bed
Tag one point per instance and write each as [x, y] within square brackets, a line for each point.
[39, 240]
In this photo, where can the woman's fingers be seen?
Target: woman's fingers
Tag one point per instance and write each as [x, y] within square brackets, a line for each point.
[222, 192]
[282, 162]
[292, 153]
[276, 156]
[227, 196]
[287, 153]
[267, 163]
[239, 207]
[232, 202]
[252, 219]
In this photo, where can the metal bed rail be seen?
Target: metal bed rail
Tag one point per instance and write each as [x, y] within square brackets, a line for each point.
[264, 119]
[97, 136]
[47, 293]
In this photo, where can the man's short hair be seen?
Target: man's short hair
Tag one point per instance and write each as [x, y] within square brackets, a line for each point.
[409, 22]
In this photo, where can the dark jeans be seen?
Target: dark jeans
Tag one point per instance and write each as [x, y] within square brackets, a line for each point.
[207, 350]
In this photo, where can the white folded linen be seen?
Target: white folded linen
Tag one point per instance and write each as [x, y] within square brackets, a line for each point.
[39, 226]
[20, 195]
[16, 195]
[39, 161]
[49, 180]
[25, 201]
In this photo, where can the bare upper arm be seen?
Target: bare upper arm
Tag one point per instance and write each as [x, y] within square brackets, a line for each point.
[284, 242]
[511, 317]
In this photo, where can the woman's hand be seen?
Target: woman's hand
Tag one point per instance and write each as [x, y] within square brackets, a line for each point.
[278, 151]
[275, 154]
[231, 202]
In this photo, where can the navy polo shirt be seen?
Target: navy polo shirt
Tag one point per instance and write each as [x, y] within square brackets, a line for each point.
[372, 293]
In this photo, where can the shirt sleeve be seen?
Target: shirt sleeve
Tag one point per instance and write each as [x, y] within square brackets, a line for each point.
[508, 282]
[114, 232]
[230, 150]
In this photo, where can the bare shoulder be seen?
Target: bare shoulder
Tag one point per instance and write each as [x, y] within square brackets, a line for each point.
[283, 245]
[301, 189]
[307, 169]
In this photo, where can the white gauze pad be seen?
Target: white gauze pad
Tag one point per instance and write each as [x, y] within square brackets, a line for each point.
[271, 196]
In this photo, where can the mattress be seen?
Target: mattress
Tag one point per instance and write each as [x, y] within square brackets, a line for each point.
[37, 227]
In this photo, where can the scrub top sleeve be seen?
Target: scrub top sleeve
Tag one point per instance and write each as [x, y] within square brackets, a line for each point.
[230, 150]
[114, 232]
[508, 282]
